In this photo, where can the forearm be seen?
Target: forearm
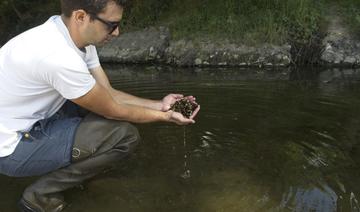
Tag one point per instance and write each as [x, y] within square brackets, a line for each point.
[122, 97]
[125, 98]
[136, 114]
[99, 101]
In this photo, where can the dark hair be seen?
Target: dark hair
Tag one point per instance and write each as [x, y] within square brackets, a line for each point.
[90, 6]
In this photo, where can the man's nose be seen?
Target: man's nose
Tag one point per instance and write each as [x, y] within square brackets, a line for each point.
[116, 32]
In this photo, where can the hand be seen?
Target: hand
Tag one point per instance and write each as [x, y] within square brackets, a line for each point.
[197, 109]
[195, 112]
[179, 119]
[168, 100]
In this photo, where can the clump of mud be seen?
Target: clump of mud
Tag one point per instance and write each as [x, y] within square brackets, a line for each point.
[184, 106]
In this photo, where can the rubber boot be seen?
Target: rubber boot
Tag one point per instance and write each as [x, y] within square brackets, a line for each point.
[99, 143]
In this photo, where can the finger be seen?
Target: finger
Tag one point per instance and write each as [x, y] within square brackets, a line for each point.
[187, 122]
[190, 121]
[191, 98]
[167, 107]
[195, 112]
[177, 96]
[182, 120]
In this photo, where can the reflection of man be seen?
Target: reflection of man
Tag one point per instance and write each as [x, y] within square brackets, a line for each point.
[41, 133]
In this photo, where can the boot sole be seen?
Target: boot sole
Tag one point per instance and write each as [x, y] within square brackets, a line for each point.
[24, 206]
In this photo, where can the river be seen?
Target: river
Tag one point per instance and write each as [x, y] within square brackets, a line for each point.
[264, 140]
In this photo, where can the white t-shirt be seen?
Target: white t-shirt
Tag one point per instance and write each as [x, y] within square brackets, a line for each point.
[39, 70]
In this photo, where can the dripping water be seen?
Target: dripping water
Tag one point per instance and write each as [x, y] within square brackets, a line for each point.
[186, 173]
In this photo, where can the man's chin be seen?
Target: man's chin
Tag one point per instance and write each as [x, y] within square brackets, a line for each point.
[101, 44]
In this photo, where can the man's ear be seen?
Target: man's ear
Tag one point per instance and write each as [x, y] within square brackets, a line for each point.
[79, 16]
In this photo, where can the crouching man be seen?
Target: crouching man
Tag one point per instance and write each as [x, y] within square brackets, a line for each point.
[59, 116]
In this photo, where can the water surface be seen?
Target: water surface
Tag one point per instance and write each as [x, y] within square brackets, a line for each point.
[276, 140]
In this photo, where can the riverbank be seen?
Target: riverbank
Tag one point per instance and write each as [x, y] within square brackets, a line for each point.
[251, 34]
[155, 45]
[341, 47]
[262, 33]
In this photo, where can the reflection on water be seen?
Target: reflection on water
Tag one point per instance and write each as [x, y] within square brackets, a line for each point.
[314, 199]
[274, 140]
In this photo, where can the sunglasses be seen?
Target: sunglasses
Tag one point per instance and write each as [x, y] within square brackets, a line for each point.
[111, 25]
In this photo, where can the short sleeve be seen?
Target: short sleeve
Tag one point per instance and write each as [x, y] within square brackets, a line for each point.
[91, 57]
[68, 75]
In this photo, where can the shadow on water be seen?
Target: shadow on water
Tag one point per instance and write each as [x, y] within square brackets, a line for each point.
[275, 140]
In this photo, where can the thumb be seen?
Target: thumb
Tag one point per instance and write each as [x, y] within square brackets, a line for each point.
[167, 107]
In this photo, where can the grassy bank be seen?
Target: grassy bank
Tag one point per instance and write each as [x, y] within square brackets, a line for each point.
[246, 21]
[351, 14]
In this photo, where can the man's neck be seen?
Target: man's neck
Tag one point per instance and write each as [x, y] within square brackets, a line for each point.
[74, 34]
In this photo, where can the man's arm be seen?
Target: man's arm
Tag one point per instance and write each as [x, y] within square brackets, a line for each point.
[99, 101]
[122, 97]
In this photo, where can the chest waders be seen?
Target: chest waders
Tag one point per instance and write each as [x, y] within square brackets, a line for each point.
[99, 144]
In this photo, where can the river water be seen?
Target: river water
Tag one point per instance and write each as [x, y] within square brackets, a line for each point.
[275, 140]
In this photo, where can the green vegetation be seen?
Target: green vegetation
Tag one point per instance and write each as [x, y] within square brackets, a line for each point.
[19, 15]
[351, 11]
[248, 21]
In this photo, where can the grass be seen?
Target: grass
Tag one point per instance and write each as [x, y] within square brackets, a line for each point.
[300, 23]
[248, 21]
[351, 14]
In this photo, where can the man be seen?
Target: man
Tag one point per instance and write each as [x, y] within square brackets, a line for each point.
[43, 72]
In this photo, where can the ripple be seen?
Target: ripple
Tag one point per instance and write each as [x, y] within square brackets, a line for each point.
[285, 136]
